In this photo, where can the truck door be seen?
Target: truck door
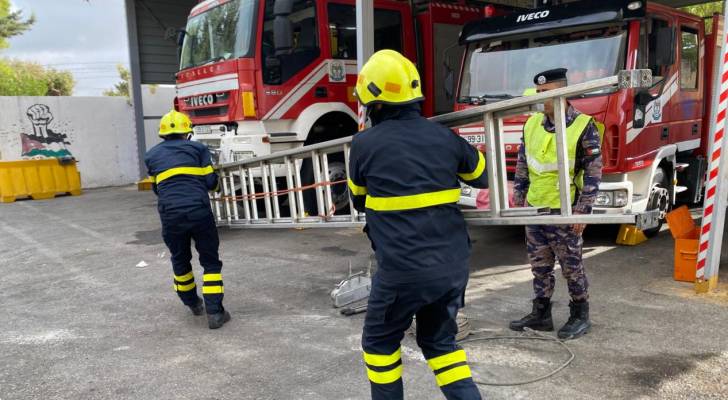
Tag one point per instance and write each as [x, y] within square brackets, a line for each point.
[687, 105]
[657, 115]
[388, 28]
[341, 25]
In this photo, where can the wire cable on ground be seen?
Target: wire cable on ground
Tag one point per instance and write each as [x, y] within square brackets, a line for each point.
[534, 336]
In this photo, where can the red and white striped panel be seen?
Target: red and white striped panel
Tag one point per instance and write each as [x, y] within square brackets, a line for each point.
[714, 173]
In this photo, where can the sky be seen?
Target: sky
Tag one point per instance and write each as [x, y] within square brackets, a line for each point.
[87, 38]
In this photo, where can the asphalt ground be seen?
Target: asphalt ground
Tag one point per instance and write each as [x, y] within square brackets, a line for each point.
[87, 311]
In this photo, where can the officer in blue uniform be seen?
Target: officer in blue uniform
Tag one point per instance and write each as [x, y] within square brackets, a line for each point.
[182, 174]
[405, 173]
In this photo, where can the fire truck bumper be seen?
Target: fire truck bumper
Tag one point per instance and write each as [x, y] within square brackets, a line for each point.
[248, 139]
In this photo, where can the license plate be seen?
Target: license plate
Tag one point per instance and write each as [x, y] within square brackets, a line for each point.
[202, 130]
[475, 139]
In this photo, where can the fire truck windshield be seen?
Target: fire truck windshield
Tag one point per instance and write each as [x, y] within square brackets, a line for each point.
[504, 68]
[220, 33]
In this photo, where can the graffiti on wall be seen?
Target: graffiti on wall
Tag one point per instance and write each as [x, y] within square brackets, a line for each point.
[43, 141]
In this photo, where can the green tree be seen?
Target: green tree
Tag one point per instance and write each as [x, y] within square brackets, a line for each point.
[60, 83]
[22, 78]
[706, 10]
[12, 23]
[120, 89]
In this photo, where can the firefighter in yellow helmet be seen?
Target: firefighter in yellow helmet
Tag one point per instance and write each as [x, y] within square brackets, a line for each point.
[183, 175]
[405, 174]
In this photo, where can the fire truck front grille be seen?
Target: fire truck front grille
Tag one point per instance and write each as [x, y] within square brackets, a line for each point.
[210, 112]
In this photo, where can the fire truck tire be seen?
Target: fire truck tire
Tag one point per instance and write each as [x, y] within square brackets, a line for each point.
[339, 191]
[659, 199]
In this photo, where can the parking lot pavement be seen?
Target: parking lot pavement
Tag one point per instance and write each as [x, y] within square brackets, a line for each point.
[88, 312]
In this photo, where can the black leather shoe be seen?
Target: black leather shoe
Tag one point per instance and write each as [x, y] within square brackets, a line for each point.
[578, 324]
[199, 308]
[539, 319]
[215, 321]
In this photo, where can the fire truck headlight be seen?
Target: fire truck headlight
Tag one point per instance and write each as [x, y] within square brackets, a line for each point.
[604, 199]
[620, 198]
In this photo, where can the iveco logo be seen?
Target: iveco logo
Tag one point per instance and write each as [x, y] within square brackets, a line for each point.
[204, 100]
[532, 16]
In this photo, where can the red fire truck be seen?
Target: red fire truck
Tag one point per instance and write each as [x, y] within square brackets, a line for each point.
[264, 76]
[655, 140]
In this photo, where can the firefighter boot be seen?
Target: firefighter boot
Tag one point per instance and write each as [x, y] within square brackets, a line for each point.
[215, 321]
[539, 319]
[198, 308]
[578, 324]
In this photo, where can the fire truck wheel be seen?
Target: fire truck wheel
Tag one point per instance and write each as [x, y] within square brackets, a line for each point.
[339, 191]
[659, 200]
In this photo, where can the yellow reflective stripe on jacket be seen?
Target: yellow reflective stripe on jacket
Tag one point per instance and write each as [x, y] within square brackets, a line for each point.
[478, 170]
[383, 378]
[211, 277]
[412, 202]
[453, 375]
[197, 171]
[447, 360]
[184, 278]
[379, 360]
[184, 288]
[213, 290]
[357, 190]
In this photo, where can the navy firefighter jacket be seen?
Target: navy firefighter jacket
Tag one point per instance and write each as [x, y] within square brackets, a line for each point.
[405, 173]
[183, 175]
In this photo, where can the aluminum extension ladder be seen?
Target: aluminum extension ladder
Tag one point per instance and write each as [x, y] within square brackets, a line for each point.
[251, 195]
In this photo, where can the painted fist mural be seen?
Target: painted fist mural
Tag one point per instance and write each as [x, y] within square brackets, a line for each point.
[40, 116]
[43, 142]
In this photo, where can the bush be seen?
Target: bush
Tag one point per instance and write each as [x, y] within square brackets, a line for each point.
[20, 78]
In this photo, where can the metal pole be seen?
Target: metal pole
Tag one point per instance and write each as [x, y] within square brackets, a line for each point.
[491, 161]
[364, 44]
[716, 185]
[562, 155]
[364, 31]
[136, 84]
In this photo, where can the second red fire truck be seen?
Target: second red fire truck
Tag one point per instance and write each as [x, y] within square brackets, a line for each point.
[655, 140]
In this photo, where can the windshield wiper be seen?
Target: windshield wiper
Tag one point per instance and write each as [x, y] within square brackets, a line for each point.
[213, 60]
[482, 99]
[503, 96]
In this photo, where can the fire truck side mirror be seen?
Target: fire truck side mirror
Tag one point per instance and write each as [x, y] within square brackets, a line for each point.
[181, 34]
[282, 26]
[665, 51]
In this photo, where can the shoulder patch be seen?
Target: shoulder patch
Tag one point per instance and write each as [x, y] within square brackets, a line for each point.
[593, 151]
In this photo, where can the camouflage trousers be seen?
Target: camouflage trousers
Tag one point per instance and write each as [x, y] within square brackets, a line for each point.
[548, 243]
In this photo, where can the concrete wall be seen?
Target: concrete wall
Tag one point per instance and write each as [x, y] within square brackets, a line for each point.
[157, 100]
[96, 131]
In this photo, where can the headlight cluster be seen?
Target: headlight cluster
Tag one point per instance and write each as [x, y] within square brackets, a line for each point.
[616, 198]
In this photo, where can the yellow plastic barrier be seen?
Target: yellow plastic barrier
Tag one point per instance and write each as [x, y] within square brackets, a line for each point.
[38, 179]
[145, 184]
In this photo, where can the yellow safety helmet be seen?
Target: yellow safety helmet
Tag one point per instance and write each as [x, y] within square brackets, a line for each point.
[175, 123]
[388, 78]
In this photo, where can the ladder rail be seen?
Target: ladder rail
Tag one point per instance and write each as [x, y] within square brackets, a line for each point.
[257, 177]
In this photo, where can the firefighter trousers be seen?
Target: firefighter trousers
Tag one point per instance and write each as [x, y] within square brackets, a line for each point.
[178, 232]
[435, 304]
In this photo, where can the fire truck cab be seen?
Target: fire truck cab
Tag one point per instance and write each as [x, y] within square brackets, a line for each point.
[654, 142]
[262, 76]
[258, 77]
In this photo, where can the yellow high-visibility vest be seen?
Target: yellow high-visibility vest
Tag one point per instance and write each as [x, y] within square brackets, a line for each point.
[543, 170]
